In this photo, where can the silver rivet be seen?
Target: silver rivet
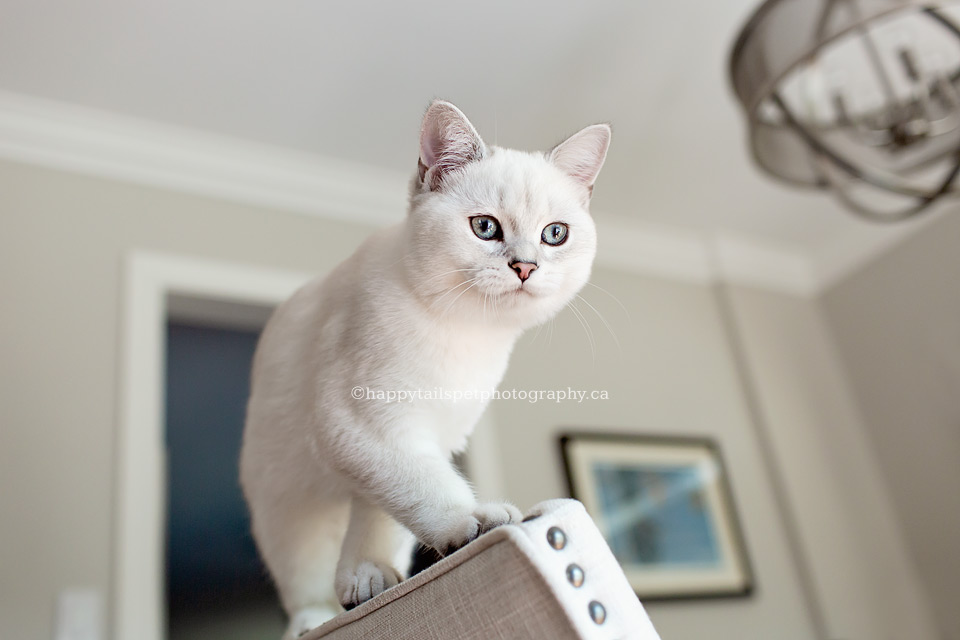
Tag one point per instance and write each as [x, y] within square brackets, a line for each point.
[556, 538]
[575, 575]
[597, 612]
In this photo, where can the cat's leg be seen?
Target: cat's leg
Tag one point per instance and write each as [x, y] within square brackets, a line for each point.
[414, 481]
[300, 542]
[375, 556]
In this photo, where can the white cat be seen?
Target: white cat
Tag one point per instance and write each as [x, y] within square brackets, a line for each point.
[495, 241]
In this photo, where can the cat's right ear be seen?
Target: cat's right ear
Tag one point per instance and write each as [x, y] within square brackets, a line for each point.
[581, 155]
[447, 142]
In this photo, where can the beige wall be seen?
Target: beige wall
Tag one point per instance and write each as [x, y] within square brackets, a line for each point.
[848, 532]
[674, 372]
[897, 331]
[62, 242]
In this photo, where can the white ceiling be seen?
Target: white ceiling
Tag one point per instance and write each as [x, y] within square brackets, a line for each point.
[350, 80]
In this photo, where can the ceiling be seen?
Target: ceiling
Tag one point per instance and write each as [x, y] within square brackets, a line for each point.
[351, 80]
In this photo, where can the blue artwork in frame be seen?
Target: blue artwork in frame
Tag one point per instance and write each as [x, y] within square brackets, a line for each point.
[665, 508]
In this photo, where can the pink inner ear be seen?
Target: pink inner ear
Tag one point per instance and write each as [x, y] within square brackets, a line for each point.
[430, 143]
[447, 141]
[581, 155]
[579, 171]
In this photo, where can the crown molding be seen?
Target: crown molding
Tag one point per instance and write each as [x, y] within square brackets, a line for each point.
[842, 256]
[751, 262]
[107, 145]
[92, 142]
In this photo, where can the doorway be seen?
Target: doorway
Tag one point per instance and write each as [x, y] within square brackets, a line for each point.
[216, 585]
[160, 289]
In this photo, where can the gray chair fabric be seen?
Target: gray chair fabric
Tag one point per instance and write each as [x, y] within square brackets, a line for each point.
[509, 583]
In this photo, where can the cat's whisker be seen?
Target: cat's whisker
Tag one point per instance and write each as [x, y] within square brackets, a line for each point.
[474, 281]
[452, 289]
[615, 298]
[602, 319]
[447, 273]
[537, 334]
[586, 328]
[424, 286]
[446, 309]
[493, 306]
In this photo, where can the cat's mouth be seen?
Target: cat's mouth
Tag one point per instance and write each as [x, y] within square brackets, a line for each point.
[513, 293]
[521, 291]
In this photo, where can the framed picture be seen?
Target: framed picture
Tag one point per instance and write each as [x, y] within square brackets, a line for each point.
[664, 506]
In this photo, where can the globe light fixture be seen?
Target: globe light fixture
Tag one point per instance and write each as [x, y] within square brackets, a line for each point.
[861, 97]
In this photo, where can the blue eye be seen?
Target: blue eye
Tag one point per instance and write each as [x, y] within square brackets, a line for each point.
[554, 234]
[486, 227]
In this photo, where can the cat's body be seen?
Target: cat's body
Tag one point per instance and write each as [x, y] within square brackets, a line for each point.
[336, 478]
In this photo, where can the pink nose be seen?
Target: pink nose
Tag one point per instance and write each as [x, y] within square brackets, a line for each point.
[523, 269]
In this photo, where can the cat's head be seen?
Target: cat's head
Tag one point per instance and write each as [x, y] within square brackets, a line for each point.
[500, 235]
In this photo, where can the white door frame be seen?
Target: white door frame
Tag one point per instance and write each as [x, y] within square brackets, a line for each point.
[150, 278]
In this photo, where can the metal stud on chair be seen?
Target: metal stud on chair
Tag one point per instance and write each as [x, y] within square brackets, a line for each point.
[556, 538]
[597, 612]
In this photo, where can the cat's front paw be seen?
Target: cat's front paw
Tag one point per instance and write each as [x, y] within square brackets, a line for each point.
[306, 619]
[485, 516]
[366, 581]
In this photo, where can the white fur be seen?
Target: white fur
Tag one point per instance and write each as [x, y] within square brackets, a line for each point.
[336, 485]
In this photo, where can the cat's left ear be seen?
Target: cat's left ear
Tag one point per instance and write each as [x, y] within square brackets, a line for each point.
[581, 155]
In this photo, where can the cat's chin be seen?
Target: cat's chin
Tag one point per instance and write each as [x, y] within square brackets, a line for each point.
[521, 292]
[516, 298]
[517, 307]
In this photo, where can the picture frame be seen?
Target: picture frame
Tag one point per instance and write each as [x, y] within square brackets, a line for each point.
[664, 506]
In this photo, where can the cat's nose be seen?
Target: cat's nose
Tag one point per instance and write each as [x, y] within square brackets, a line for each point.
[523, 269]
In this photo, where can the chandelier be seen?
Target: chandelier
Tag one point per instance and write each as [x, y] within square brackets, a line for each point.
[856, 96]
